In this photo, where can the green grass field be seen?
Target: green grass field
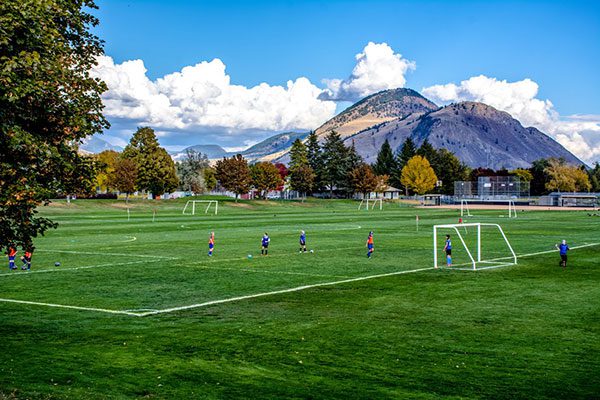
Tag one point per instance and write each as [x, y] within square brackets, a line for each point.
[138, 310]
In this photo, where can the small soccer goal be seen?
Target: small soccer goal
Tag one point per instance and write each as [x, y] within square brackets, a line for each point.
[370, 204]
[475, 239]
[464, 208]
[190, 206]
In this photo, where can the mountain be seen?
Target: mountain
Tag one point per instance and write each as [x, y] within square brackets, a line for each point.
[212, 151]
[95, 145]
[478, 134]
[376, 109]
[274, 146]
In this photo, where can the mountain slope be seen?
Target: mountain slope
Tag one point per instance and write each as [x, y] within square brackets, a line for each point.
[478, 134]
[376, 109]
[212, 151]
[272, 147]
[95, 145]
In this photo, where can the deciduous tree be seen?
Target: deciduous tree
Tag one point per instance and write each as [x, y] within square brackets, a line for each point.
[363, 179]
[265, 177]
[418, 175]
[124, 176]
[234, 174]
[48, 104]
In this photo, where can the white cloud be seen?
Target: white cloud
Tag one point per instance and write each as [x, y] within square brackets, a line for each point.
[580, 136]
[377, 68]
[202, 96]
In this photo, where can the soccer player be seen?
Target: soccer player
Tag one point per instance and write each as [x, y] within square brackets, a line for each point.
[211, 244]
[26, 259]
[12, 252]
[562, 250]
[370, 245]
[302, 242]
[448, 250]
[264, 250]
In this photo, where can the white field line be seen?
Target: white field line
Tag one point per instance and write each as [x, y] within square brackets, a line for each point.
[36, 303]
[58, 269]
[290, 290]
[100, 253]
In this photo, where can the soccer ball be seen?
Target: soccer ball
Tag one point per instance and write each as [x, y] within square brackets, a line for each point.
[312, 251]
[249, 256]
[57, 264]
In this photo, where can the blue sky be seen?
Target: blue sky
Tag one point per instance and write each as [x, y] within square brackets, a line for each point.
[554, 44]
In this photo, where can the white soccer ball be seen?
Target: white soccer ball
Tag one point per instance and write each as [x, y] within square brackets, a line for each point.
[249, 256]
[312, 251]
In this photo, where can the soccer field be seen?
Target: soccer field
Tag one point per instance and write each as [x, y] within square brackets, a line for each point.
[137, 308]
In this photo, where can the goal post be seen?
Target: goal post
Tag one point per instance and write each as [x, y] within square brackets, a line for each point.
[370, 204]
[475, 255]
[192, 206]
[464, 208]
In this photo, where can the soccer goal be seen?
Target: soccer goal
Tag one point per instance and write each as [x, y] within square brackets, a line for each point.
[464, 208]
[193, 203]
[487, 236]
[370, 204]
[512, 210]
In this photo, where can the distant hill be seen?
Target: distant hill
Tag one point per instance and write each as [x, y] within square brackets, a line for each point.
[95, 145]
[375, 109]
[478, 134]
[212, 151]
[272, 147]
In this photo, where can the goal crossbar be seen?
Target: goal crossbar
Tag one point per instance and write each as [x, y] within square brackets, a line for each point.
[193, 208]
[478, 256]
[373, 202]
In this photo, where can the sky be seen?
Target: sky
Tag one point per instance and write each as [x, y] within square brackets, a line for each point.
[235, 72]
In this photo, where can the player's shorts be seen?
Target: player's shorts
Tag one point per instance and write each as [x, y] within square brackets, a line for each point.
[370, 246]
[449, 252]
[563, 258]
[211, 246]
[265, 245]
[302, 242]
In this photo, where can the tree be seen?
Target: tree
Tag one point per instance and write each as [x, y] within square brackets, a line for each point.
[265, 177]
[566, 178]
[363, 179]
[385, 160]
[48, 104]
[335, 161]
[210, 180]
[540, 177]
[105, 163]
[156, 169]
[234, 174]
[427, 151]
[418, 175]
[315, 160]
[283, 173]
[191, 171]
[449, 169]
[407, 151]
[302, 178]
[524, 175]
[594, 175]
[124, 176]
[353, 160]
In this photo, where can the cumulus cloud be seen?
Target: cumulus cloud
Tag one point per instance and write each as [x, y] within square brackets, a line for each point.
[202, 96]
[377, 68]
[579, 135]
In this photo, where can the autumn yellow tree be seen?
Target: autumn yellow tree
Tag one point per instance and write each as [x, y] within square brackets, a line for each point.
[566, 178]
[418, 175]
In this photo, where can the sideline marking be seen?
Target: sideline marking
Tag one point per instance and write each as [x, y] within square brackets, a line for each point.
[132, 239]
[36, 303]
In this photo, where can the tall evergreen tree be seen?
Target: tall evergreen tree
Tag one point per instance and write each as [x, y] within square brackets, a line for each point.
[540, 177]
[427, 151]
[385, 160]
[594, 174]
[301, 174]
[315, 160]
[353, 161]
[406, 152]
[335, 156]
[156, 169]
[449, 169]
[298, 154]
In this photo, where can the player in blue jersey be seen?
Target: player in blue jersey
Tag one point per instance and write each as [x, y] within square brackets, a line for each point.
[264, 250]
[448, 250]
[302, 242]
[562, 250]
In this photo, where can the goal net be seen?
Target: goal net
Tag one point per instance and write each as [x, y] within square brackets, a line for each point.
[190, 206]
[370, 204]
[474, 246]
[465, 211]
